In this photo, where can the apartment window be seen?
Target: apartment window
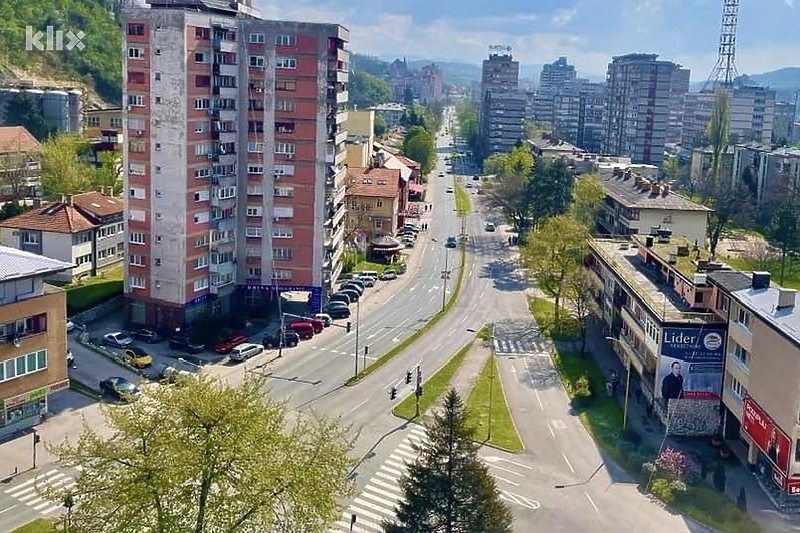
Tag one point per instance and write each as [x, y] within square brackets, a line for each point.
[254, 210]
[136, 282]
[137, 237]
[201, 218]
[252, 231]
[202, 34]
[202, 81]
[157, 147]
[286, 40]
[202, 57]
[283, 275]
[136, 260]
[284, 148]
[282, 233]
[159, 100]
[137, 193]
[285, 85]
[255, 169]
[200, 127]
[256, 61]
[743, 318]
[284, 127]
[724, 303]
[201, 196]
[137, 77]
[737, 388]
[135, 52]
[285, 62]
[202, 173]
[202, 103]
[378, 203]
[284, 105]
[136, 169]
[200, 284]
[284, 170]
[283, 254]
[256, 38]
[255, 126]
[284, 192]
[201, 241]
[135, 29]
[201, 262]
[116, 122]
[20, 366]
[377, 224]
[136, 124]
[136, 100]
[740, 355]
[283, 212]
[255, 105]
[157, 76]
[93, 121]
[202, 149]
[253, 272]
[136, 146]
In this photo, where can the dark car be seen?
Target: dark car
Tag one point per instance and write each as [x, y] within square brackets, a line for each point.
[273, 340]
[119, 388]
[452, 242]
[185, 344]
[340, 297]
[350, 293]
[352, 286]
[147, 335]
[232, 341]
[338, 312]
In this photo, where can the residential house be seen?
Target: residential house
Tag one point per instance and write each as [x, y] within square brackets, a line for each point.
[360, 137]
[98, 120]
[86, 230]
[392, 113]
[761, 392]
[374, 200]
[20, 164]
[33, 338]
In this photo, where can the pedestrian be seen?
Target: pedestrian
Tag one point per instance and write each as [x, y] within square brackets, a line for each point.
[614, 383]
[509, 241]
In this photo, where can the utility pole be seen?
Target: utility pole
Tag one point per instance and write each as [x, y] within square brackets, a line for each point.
[445, 276]
[36, 439]
[418, 389]
[355, 353]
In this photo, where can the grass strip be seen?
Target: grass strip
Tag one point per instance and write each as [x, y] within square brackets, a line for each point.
[408, 341]
[463, 201]
[433, 388]
[544, 311]
[486, 394]
[40, 525]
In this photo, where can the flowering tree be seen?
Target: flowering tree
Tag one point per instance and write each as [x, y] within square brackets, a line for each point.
[673, 464]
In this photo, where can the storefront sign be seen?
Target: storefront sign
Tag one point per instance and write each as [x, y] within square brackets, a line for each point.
[691, 362]
[766, 435]
[793, 487]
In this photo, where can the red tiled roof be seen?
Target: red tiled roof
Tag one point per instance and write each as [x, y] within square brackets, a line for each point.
[16, 139]
[98, 204]
[373, 182]
[410, 163]
[53, 217]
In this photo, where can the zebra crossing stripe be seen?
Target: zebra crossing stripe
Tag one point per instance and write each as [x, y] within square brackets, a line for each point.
[385, 468]
[387, 503]
[361, 525]
[375, 507]
[394, 498]
[380, 482]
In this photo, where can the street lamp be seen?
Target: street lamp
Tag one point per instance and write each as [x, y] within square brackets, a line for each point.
[355, 352]
[491, 387]
[445, 277]
[627, 382]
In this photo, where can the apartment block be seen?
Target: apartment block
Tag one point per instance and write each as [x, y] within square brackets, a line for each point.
[761, 392]
[33, 338]
[97, 120]
[503, 104]
[783, 122]
[773, 171]
[577, 113]
[655, 304]
[20, 164]
[234, 157]
[678, 91]
[637, 110]
[556, 74]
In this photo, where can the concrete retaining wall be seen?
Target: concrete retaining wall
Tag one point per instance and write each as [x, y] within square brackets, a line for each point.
[99, 311]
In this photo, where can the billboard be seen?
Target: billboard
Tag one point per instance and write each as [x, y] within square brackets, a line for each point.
[691, 362]
[766, 435]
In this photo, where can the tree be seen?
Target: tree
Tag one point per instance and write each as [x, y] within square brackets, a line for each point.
[408, 96]
[532, 131]
[203, 456]
[422, 149]
[759, 253]
[519, 161]
[366, 90]
[550, 189]
[380, 127]
[581, 291]
[21, 110]
[717, 132]
[671, 167]
[511, 195]
[730, 204]
[587, 195]
[553, 253]
[495, 165]
[783, 231]
[63, 171]
[109, 173]
[448, 489]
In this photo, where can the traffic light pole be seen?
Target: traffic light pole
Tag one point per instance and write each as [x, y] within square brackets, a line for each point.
[36, 439]
[418, 389]
[355, 353]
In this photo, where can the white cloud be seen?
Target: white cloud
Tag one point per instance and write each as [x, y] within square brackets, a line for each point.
[789, 3]
[562, 17]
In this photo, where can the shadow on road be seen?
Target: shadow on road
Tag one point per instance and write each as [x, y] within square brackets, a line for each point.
[505, 275]
[371, 452]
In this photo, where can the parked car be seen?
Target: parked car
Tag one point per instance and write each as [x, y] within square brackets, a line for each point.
[289, 339]
[326, 319]
[476, 178]
[147, 335]
[490, 226]
[452, 242]
[316, 325]
[120, 389]
[136, 357]
[225, 346]
[245, 351]
[171, 374]
[340, 297]
[358, 288]
[353, 295]
[117, 339]
[388, 275]
[356, 281]
[185, 344]
[70, 326]
[338, 312]
[449, 190]
[303, 329]
[441, 173]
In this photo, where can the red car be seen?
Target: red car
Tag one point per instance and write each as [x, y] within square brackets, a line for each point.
[316, 324]
[233, 340]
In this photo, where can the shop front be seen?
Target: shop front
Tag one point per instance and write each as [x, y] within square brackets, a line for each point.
[26, 410]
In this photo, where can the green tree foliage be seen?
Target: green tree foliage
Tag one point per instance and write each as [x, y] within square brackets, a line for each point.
[448, 489]
[532, 131]
[380, 127]
[21, 110]
[671, 167]
[97, 65]
[421, 148]
[63, 170]
[784, 231]
[469, 128]
[495, 164]
[408, 96]
[203, 456]
[109, 173]
[551, 189]
[370, 64]
[366, 90]
[581, 289]
[553, 254]
[587, 195]
[717, 131]
[427, 118]
[12, 209]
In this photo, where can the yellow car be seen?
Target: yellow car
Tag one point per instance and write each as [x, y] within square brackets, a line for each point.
[136, 357]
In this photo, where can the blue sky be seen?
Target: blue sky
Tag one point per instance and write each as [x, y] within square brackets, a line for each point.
[588, 32]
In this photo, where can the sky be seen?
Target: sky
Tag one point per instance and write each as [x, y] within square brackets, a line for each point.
[588, 32]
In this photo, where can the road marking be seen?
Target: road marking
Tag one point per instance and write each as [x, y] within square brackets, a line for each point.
[568, 463]
[373, 335]
[494, 459]
[437, 347]
[506, 480]
[357, 406]
[396, 339]
[507, 470]
[539, 399]
[519, 500]
[552, 433]
[591, 501]
[9, 508]
[559, 424]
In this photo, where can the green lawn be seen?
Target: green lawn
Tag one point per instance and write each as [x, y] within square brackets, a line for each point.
[504, 432]
[40, 525]
[543, 310]
[791, 272]
[433, 388]
[463, 201]
[83, 295]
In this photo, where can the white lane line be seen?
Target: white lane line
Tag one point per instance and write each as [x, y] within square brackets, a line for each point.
[357, 406]
[506, 470]
[591, 501]
[506, 480]
[9, 508]
[568, 463]
[552, 433]
[539, 399]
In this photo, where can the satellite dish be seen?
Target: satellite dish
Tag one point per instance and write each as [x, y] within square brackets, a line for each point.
[17, 342]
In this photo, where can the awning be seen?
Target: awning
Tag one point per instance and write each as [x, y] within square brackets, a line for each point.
[416, 187]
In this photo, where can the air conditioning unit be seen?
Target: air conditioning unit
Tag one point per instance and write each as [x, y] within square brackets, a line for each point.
[289, 156]
[259, 89]
[210, 156]
[139, 132]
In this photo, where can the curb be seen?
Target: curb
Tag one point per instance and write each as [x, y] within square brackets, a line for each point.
[110, 356]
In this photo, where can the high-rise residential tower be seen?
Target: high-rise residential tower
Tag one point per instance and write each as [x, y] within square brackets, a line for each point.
[502, 102]
[234, 165]
[556, 74]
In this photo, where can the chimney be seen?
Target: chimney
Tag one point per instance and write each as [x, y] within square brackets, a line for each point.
[637, 181]
[69, 199]
[63, 199]
[665, 189]
[786, 298]
[760, 281]
[645, 185]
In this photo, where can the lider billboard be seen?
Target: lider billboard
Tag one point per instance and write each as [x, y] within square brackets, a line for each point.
[691, 362]
[767, 435]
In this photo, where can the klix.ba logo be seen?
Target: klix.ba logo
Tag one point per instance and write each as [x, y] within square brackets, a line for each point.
[52, 40]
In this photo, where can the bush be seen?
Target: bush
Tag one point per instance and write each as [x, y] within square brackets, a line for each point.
[83, 297]
[662, 489]
[582, 392]
[673, 464]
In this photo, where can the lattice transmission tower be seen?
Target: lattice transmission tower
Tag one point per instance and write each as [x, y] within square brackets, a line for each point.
[724, 72]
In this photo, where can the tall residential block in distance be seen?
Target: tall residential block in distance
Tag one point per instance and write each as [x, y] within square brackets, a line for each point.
[502, 103]
[234, 165]
[556, 74]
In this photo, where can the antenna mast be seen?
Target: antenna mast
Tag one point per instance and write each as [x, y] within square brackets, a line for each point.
[724, 72]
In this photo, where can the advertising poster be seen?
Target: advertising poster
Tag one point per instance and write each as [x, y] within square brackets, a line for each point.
[691, 363]
[767, 436]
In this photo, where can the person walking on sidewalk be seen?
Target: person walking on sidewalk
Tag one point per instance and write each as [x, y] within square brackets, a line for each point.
[614, 382]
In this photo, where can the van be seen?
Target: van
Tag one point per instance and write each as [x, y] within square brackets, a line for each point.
[303, 329]
[245, 351]
[368, 274]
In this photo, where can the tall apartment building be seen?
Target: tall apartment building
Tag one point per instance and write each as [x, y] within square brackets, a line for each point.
[773, 172]
[502, 102]
[681, 78]
[556, 74]
[783, 121]
[234, 164]
[637, 107]
[577, 113]
[752, 115]
[430, 84]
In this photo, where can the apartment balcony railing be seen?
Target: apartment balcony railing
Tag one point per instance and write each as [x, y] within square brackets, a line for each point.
[333, 236]
[221, 268]
[335, 216]
[223, 224]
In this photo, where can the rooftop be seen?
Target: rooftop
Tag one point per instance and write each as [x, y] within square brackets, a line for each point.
[391, 106]
[373, 182]
[679, 253]
[16, 139]
[730, 280]
[645, 281]
[635, 192]
[764, 302]
[16, 264]
[99, 204]
[52, 217]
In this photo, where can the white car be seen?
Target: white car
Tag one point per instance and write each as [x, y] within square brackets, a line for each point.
[449, 189]
[70, 326]
[117, 339]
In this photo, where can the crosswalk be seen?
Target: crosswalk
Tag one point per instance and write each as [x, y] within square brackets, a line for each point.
[31, 492]
[518, 346]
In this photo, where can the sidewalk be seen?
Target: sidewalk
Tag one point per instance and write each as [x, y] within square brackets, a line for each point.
[469, 370]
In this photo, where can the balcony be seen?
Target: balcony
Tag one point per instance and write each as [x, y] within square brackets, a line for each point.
[335, 216]
[334, 156]
[335, 75]
[213, 289]
[335, 196]
[221, 268]
[223, 224]
[228, 70]
[333, 237]
[341, 97]
[338, 137]
[222, 203]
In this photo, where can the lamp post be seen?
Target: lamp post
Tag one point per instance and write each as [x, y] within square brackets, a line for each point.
[355, 353]
[627, 382]
[491, 387]
[36, 440]
[445, 277]
[68, 504]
